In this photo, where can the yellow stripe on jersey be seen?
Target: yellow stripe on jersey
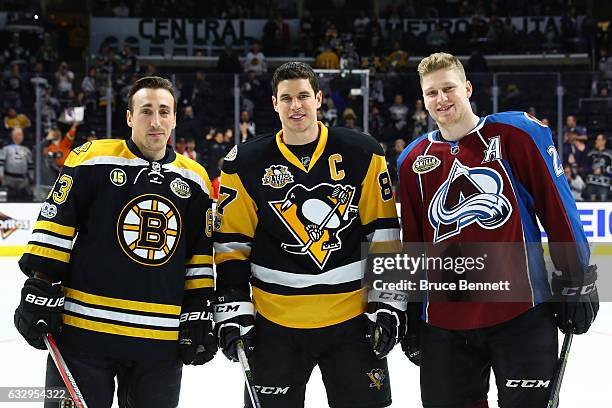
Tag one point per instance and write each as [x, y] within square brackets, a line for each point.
[238, 214]
[199, 283]
[288, 154]
[200, 259]
[55, 228]
[113, 148]
[47, 253]
[376, 193]
[221, 257]
[119, 329]
[309, 311]
[121, 303]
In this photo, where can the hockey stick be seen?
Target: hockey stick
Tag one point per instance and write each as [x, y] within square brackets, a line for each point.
[65, 373]
[248, 375]
[553, 401]
[303, 248]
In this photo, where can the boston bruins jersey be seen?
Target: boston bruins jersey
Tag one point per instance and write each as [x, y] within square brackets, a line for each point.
[295, 232]
[128, 239]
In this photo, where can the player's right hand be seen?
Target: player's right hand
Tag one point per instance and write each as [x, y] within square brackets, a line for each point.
[39, 311]
[411, 343]
[234, 320]
[576, 304]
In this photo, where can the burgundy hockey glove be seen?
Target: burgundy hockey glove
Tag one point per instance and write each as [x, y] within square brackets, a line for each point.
[576, 303]
[39, 312]
[197, 341]
[386, 320]
[234, 320]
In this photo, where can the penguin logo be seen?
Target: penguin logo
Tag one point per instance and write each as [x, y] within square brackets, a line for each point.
[315, 218]
[277, 176]
[377, 376]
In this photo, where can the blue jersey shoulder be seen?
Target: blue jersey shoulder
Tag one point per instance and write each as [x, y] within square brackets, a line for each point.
[409, 148]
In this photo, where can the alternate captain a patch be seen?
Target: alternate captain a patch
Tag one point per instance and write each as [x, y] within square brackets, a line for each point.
[316, 217]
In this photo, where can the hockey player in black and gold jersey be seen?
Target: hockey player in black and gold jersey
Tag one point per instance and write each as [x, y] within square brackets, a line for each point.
[127, 230]
[293, 211]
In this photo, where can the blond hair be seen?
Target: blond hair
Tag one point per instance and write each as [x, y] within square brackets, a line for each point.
[440, 60]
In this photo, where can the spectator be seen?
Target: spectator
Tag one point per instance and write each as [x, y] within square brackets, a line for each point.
[17, 168]
[599, 170]
[255, 60]
[16, 52]
[572, 126]
[14, 120]
[228, 62]
[307, 34]
[47, 53]
[14, 87]
[327, 59]
[376, 123]
[269, 37]
[189, 126]
[180, 145]
[349, 58]
[399, 112]
[201, 92]
[89, 86]
[437, 38]
[282, 35]
[63, 80]
[398, 147]
[419, 119]
[251, 92]
[50, 108]
[190, 150]
[330, 113]
[576, 183]
[397, 60]
[574, 152]
[228, 137]
[216, 151]
[477, 62]
[59, 147]
[121, 10]
[247, 127]
[360, 32]
[38, 78]
[374, 32]
[350, 117]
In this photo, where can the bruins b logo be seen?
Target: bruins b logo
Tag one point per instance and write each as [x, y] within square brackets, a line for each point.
[315, 218]
[149, 229]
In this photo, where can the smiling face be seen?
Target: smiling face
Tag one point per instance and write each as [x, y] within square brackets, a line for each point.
[447, 97]
[297, 104]
[152, 119]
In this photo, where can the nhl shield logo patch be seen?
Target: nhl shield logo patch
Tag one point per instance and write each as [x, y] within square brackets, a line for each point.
[316, 217]
[277, 176]
[425, 163]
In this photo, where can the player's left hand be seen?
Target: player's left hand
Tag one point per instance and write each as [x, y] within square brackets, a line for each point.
[197, 341]
[576, 303]
[386, 322]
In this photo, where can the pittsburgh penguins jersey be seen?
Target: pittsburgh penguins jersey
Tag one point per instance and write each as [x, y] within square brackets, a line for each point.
[295, 232]
[128, 239]
[492, 186]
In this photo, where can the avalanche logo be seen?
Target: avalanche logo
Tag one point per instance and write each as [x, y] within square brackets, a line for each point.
[469, 195]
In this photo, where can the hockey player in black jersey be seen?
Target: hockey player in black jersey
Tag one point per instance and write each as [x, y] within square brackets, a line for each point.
[122, 251]
[293, 211]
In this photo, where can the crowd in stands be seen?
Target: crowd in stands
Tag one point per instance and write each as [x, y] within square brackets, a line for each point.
[206, 130]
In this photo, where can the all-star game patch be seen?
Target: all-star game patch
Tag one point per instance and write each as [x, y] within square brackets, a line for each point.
[277, 176]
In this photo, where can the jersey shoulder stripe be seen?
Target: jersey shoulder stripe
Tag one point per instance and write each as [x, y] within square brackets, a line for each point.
[108, 151]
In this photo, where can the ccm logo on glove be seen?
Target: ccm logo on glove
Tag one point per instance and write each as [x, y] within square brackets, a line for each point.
[578, 290]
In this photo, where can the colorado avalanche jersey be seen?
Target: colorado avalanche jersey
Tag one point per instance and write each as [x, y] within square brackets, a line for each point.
[489, 187]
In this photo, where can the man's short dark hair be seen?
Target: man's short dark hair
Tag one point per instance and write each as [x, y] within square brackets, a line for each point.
[295, 70]
[151, 82]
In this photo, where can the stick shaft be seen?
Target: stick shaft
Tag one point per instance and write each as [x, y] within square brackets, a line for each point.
[553, 401]
[248, 376]
[64, 372]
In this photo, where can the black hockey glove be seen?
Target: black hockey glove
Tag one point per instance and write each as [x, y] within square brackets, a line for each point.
[576, 303]
[197, 341]
[411, 344]
[386, 320]
[39, 312]
[234, 320]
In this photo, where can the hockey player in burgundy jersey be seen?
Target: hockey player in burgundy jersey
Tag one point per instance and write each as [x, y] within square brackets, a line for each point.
[485, 180]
